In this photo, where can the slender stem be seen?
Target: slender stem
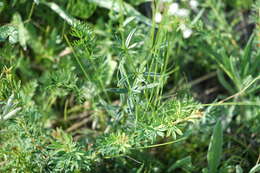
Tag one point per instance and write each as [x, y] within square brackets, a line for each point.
[30, 14]
[76, 57]
[233, 103]
[162, 144]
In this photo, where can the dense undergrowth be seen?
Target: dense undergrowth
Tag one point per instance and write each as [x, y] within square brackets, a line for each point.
[130, 86]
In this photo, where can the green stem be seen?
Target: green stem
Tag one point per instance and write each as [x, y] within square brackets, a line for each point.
[162, 144]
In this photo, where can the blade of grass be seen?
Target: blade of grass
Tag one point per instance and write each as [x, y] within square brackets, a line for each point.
[215, 148]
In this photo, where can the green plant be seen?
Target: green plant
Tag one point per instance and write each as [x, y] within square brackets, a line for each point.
[96, 86]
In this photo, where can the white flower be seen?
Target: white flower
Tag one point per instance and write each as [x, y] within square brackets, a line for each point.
[158, 17]
[183, 12]
[194, 4]
[173, 8]
[186, 32]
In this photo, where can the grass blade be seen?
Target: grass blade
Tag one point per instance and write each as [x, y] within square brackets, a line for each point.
[129, 38]
[215, 148]
[246, 58]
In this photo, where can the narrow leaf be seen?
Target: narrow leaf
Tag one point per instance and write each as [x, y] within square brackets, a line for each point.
[246, 58]
[255, 169]
[129, 38]
[118, 90]
[128, 20]
[215, 148]
[224, 82]
[152, 74]
[182, 163]
[12, 113]
[148, 86]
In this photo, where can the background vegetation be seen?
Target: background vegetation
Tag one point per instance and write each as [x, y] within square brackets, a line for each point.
[130, 86]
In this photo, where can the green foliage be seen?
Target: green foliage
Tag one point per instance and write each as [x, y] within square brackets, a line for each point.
[95, 86]
[67, 156]
[9, 32]
[215, 148]
[185, 164]
[240, 4]
[82, 9]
